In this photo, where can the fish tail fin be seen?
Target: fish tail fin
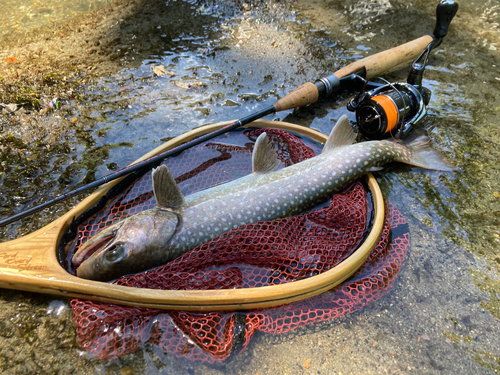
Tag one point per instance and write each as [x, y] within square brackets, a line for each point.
[418, 152]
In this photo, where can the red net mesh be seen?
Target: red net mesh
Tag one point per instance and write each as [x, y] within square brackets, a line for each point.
[253, 255]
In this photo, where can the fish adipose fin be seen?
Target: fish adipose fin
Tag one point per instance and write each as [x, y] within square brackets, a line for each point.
[422, 154]
[166, 190]
[341, 135]
[264, 157]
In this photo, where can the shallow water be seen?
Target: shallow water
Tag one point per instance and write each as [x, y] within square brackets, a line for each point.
[442, 314]
[20, 17]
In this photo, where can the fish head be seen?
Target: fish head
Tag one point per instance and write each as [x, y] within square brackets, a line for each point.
[127, 246]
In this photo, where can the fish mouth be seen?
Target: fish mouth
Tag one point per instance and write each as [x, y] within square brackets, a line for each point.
[92, 246]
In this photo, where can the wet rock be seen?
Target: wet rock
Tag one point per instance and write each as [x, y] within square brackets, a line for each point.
[161, 71]
[9, 108]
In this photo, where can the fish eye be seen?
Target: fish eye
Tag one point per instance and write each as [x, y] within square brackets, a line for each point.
[115, 253]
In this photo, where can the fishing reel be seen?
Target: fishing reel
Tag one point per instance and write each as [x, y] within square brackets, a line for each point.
[392, 109]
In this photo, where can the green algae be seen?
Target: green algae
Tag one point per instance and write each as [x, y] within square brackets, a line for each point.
[458, 338]
[486, 360]
[492, 287]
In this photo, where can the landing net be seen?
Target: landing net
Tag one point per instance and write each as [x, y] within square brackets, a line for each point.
[253, 255]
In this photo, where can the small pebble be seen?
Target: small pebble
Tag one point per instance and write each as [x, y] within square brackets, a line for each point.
[307, 363]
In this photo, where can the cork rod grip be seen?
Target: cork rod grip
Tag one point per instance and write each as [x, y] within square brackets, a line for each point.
[304, 95]
[381, 62]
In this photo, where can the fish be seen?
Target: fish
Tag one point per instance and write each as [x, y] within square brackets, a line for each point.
[178, 224]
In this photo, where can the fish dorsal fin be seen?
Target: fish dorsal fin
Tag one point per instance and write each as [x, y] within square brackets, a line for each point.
[342, 134]
[166, 191]
[264, 157]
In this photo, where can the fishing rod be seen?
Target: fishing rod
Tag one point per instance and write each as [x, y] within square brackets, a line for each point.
[346, 78]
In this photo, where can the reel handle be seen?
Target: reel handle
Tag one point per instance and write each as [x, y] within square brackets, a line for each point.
[445, 11]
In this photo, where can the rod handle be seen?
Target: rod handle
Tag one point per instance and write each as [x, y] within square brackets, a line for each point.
[306, 94]
[381, 62]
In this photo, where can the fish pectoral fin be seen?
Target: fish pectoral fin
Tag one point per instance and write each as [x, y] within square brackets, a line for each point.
[264, 157]
[341, 135]
[166, 190]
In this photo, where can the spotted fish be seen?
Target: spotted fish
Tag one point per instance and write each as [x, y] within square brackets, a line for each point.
[179, 224]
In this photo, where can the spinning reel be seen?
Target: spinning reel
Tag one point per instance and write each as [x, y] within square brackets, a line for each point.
[392, 109]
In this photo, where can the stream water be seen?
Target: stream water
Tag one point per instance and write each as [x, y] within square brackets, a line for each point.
[225, 60]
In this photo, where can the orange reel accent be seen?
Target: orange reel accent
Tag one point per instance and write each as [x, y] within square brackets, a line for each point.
[390, 110]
